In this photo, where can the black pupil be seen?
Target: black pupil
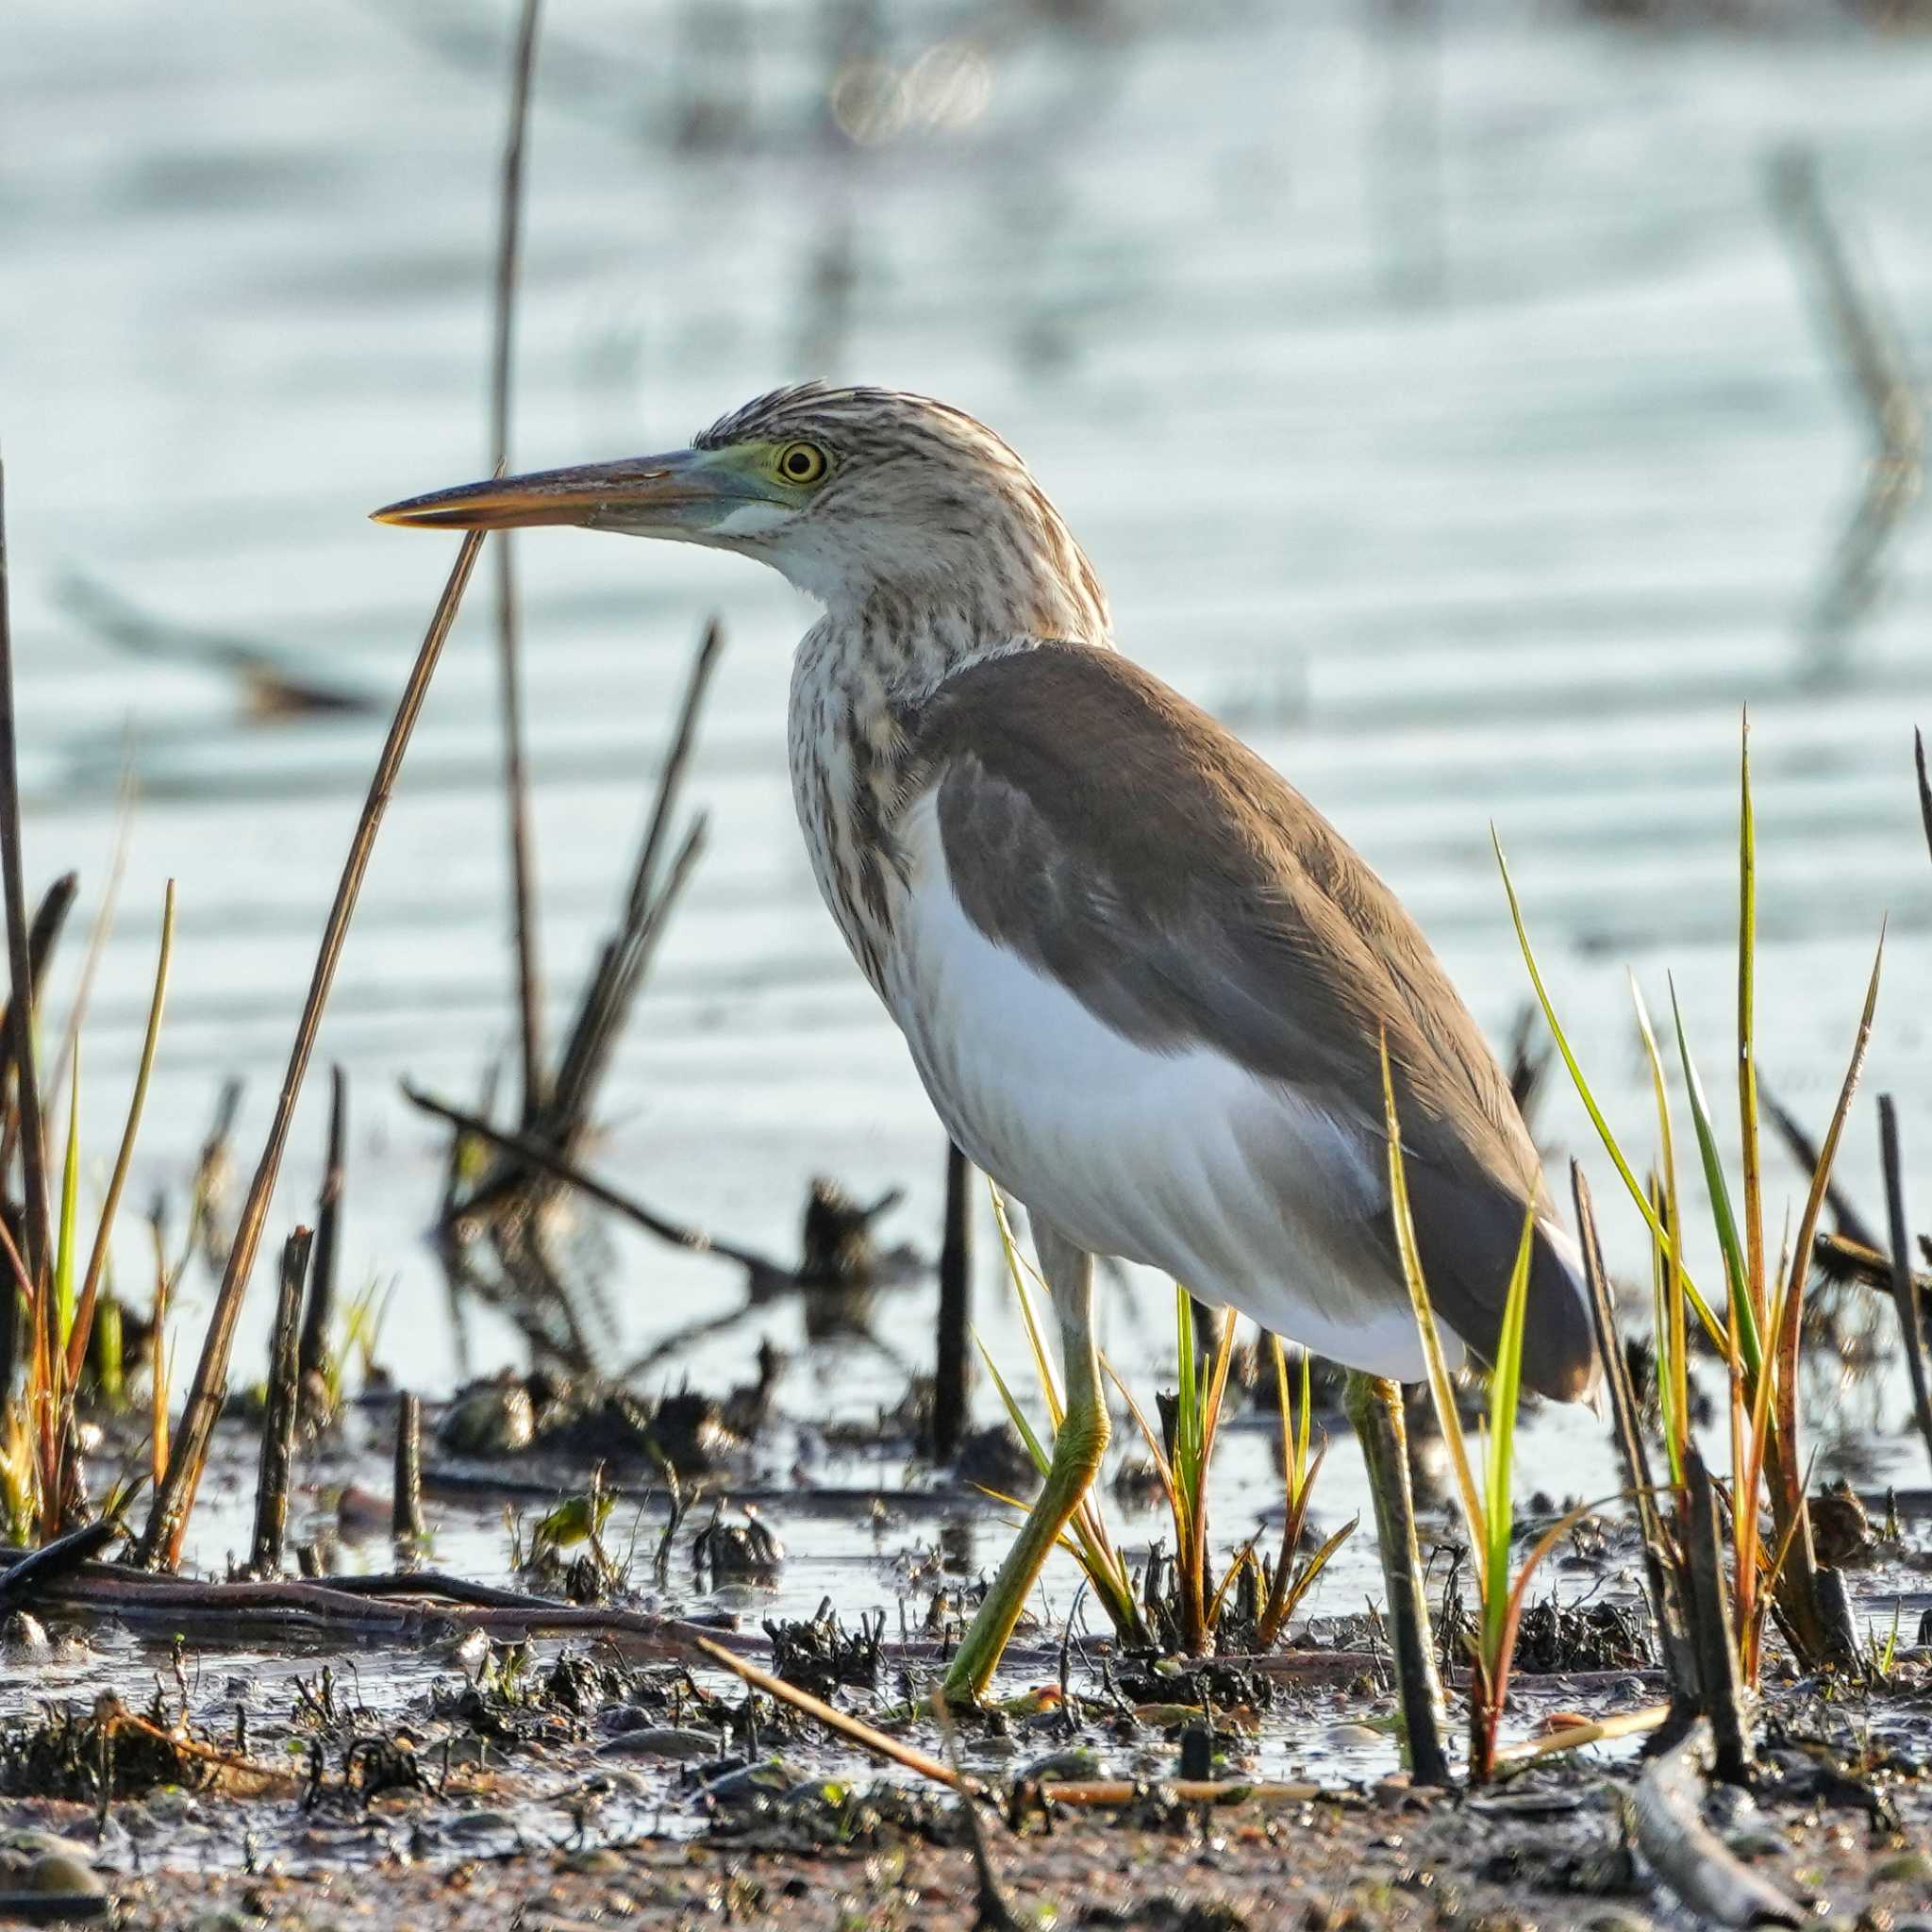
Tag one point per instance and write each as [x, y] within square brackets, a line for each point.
[799, 462]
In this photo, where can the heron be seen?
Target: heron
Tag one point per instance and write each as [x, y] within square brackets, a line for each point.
[1145, 983]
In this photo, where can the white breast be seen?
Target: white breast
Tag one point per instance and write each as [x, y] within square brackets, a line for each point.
[1244, 1188]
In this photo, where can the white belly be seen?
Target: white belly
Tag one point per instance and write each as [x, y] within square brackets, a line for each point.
[1240, 1188]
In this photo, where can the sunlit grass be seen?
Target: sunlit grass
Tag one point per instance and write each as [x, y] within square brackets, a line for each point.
[1485, 1503]
[1199, 1615]
[1086, 1537]
[1756, 1341]
[38, 1469]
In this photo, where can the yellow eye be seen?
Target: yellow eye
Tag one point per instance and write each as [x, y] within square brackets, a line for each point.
[802, 463]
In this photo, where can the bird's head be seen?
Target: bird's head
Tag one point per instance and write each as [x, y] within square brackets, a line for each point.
[852, 493]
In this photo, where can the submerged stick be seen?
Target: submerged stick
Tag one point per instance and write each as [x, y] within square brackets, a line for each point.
[952, 1362]
[1686, 1855]
[547, 1160]
[844, 1722]
[516, 779]
[278, 1417]
[168, 1520]
[1904, 1294]
[33, 1157]
[406, 1521]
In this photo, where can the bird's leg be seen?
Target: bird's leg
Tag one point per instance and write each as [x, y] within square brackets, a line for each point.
[1077, 1448]
[1375, 1409]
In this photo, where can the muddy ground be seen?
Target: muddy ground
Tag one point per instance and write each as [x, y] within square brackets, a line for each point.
[1550, 1850]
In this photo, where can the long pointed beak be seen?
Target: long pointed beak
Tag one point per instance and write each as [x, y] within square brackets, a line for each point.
[668, 493]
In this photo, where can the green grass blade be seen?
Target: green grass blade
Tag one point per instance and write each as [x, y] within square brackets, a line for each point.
[1307, 1576]
[1506, 1385]
[1722, 1217]
[1034, 1448]
[1672, 1289]
[1187, 1422]
[1747, 1022]
[1441, 1391]
[1570, 1061]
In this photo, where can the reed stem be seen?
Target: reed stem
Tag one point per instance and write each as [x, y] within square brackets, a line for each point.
[167, 1523]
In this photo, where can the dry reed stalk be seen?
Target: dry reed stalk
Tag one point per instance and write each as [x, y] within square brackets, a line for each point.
[516, 778]
[893, 1749]
[38, 1242]
[167, 1521]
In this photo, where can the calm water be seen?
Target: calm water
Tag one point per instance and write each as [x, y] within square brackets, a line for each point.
[1449, 417]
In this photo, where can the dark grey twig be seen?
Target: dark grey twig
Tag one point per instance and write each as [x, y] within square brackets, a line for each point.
[42, 935]
[278, 1417]
[1841, 1259]
[1904, 1290]
[953, 1359]
[168, 1520]
[1925, 785]
[1806, 1154]
[547, 1160]
[626, 954]
[1720, 1688]
[1868, 345]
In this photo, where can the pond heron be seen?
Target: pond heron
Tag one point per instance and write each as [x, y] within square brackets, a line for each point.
[1144, 981]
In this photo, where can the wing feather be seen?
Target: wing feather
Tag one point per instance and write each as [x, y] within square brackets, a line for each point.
[1118, 839]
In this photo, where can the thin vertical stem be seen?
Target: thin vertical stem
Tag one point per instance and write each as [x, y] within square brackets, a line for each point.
[1747, 1047]
[33, 1147]
[175, 1496]
[406, 1519]
[516, 782]
[951, 1363]
[1905, 1292]
[97, 1260]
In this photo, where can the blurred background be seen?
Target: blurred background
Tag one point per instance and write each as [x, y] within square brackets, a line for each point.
[1474, 404]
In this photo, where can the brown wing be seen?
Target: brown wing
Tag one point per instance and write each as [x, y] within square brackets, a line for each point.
[1116, 836]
